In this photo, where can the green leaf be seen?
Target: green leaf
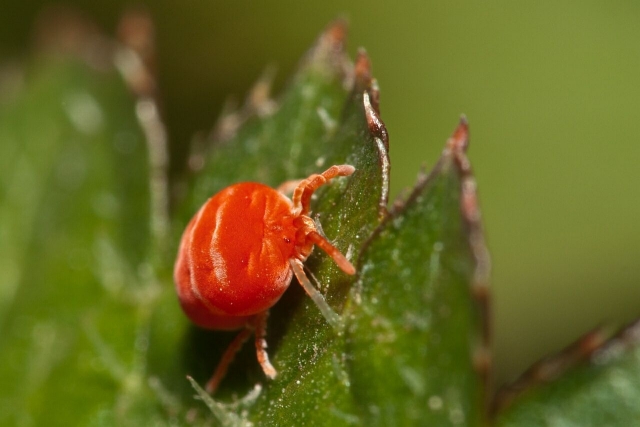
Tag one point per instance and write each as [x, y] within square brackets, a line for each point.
[318, 123]
[310, 354]
[601, 390]
[415, 324]
[91, 329]
[75, 242]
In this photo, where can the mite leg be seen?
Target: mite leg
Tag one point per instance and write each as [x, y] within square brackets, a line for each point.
[332, 317]
[227, 358]
[288, 187]
[261, 344]
[303, 192]
[332, 251]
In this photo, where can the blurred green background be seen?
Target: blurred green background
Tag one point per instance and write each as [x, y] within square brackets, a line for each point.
[552, 92]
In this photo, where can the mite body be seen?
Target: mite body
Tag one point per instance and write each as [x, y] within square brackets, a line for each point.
[239, 253]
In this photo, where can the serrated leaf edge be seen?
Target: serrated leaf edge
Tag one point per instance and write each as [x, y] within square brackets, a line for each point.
[597, 347]
[454, 154]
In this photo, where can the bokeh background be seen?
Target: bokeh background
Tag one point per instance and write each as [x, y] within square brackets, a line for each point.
[552, 92]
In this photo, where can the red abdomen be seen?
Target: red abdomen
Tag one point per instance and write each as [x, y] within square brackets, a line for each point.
[234, 255]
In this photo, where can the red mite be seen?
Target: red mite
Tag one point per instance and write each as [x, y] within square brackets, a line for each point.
[238, 255]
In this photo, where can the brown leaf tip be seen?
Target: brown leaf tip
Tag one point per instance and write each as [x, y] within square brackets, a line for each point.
[365, 85]
[135, 56]
[330, 44]
[381, 140]
[335, 34]
[373, 119]
[362, 70]
[459, 141]
[259, 100]
[137, 31]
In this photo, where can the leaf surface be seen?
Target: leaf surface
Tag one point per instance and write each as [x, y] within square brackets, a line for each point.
[412, 322]
[590, 383]
[415, 324]
[91, 329]
[318, 122]
[76, 241]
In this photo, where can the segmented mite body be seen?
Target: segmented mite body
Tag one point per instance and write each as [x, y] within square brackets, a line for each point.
[239, 253]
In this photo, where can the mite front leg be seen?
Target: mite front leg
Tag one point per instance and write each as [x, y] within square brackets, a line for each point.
[304, 191]
[288, 187]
